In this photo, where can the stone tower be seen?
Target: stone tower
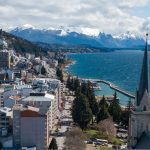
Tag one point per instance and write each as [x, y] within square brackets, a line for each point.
[139, 123]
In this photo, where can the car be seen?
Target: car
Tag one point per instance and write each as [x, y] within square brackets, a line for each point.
[88, 142]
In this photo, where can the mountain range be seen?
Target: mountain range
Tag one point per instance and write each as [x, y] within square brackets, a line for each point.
[65, 37]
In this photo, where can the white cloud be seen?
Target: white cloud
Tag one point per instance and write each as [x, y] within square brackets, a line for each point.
[90, 16]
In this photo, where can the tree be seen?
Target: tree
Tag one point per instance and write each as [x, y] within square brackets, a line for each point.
[84, 88]
[76, 84]
[126, 114]
[53, 145]
[115, 109]
[59, 74]
[74, 140]
[68, 84]
[92, 101]
[43, 70]
[129, 106]
[103, 111]
[81, 111]
[107, 128]
[72, 84]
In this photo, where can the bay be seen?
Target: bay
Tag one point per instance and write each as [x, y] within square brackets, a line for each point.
[122, 68]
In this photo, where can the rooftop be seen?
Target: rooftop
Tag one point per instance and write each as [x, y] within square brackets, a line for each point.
[39, 97]
[6, 110]
[16, 97]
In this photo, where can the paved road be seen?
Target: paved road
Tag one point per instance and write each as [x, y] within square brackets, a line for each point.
[65, 121]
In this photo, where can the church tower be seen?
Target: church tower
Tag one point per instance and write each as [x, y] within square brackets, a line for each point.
[139, 123]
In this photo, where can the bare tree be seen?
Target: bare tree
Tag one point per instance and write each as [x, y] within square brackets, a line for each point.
[107, 127]
[74, 140]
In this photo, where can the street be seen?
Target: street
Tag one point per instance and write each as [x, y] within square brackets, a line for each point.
[65, 121]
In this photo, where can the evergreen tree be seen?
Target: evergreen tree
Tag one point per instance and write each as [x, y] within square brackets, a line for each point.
[125, 115]
[53, 145]
[72, 84]
[59, 74]
[92, 101]
[43, 70]
[115, 109]
[103, 111]
[68, 82]
[81, 111]
[129, 106]
[76, 84]
[84, 88]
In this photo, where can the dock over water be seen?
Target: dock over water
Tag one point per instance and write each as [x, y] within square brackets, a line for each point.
[112, 86]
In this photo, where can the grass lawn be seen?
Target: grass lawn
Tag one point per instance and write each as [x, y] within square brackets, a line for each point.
[95, 134]
[117, 141]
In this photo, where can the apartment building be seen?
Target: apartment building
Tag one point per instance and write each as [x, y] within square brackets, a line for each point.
[1, 97]
[29, 128]
[52, 86]
[46, 103]
[5, 119]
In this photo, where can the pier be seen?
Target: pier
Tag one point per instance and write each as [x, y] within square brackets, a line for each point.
[112, 86]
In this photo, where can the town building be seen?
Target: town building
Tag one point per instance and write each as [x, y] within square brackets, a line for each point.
[1, 97]
[52, 86]
[5, 120]
[139, 123]
[29, 128]
[46, 104]
[7, 75]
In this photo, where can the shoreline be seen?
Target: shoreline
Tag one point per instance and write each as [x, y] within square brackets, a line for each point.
[110, 84]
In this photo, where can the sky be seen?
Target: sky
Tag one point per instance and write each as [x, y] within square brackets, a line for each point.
[90, 16]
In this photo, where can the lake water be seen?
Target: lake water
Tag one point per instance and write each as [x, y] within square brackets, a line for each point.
[122, 68]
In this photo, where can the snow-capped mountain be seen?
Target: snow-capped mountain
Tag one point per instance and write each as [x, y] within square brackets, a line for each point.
[76, 36]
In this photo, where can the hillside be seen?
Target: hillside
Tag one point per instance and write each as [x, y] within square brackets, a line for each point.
[20, 45]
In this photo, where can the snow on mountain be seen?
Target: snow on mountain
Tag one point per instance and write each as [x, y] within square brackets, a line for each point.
[77, 36]
[23, 27]
[127, 35]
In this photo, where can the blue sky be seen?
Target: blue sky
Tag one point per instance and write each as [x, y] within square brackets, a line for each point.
[142, 12]
[90, 16]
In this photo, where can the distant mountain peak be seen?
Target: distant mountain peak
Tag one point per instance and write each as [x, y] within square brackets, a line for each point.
[78, 36]
[23, 27]
[127, 35]
[28, 26]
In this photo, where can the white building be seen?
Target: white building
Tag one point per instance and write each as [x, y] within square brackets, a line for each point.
[139, 123]
[52, 86]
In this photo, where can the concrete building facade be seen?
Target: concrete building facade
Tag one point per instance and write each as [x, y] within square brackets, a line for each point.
[29, 128]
